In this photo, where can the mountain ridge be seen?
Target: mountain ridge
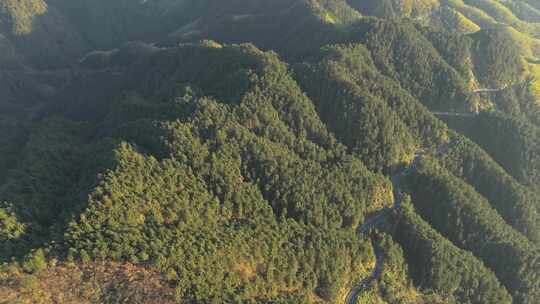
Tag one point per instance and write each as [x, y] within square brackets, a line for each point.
[225, 154]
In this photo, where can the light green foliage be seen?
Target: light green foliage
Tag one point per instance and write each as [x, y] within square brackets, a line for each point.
[395, 284]
[10, 227]
[240, 199]
[35, 262]
[497, 61]
[334, 12]
[21, 13]
[453, 19]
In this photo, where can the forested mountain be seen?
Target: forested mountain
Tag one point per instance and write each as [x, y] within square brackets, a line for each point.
[254, 151]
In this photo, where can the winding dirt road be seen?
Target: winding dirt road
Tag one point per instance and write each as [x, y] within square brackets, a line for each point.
[369, 224]
[380, 217]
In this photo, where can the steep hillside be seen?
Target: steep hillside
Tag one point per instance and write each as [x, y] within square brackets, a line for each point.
[238, 158]
[293, 151]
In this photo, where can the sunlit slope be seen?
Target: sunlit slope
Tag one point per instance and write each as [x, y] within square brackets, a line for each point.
[211, 167]
[147, 138]
[469, 17]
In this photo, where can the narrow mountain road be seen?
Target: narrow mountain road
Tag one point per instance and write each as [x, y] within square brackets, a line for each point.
[369, 224]
[507, 86]
[478, 91]
[454, 114]
[379, 218]
[364, 284]
[489, 90]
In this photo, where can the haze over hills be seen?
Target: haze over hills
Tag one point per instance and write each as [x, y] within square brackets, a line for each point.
[288, 151]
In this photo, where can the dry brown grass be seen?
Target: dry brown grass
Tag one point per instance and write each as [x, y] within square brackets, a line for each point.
[98, 282]
[245, 270]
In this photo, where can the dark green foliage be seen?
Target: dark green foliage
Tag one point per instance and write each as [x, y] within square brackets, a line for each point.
[402, 53]
[52, 158]
[438, 265]
[395, 284]
[518, 205]
[243, 199]
[240, 181]
[518, 101]
[365, 123]
[352, 66]
[533, 3]
[51, 181]
[12, 137]
[233, 177]
[459, 213]
[498, 60]
[525, 10]
[511, 141]
[453, 47]
[228, 236]
[38, 34]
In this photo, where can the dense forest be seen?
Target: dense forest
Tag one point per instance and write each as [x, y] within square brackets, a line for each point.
[286, 151]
